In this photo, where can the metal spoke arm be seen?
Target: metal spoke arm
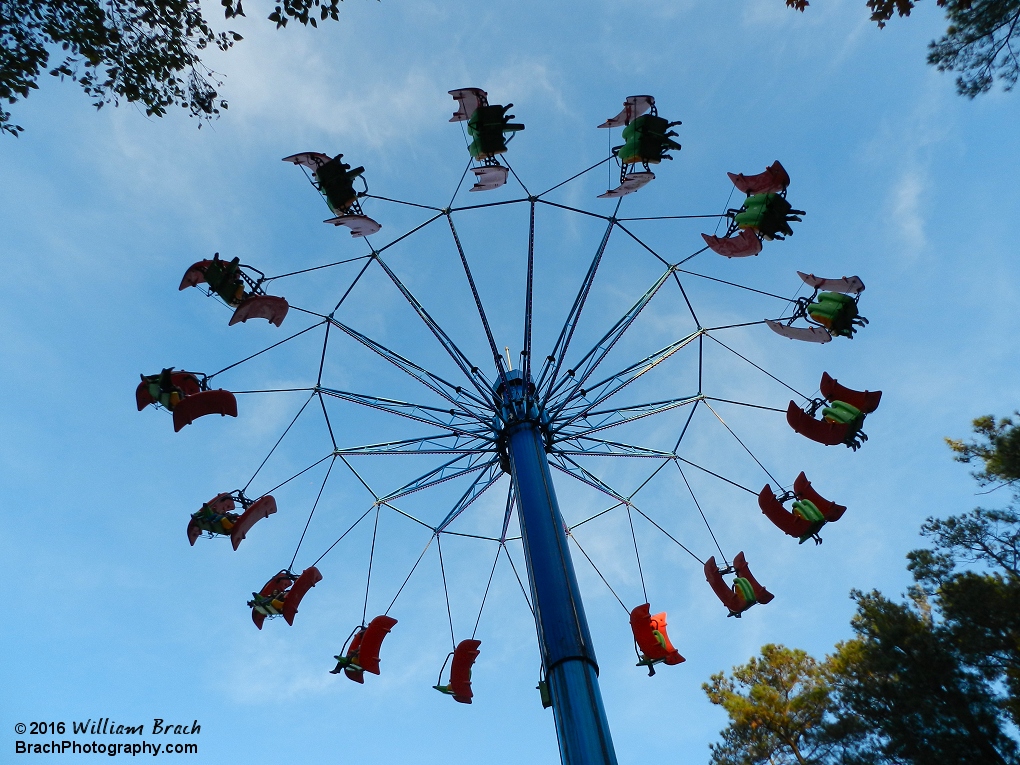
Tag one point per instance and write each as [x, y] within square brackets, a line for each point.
[585, 446]
[482, 385]
[591, 360]
[429, 415]
[613, 384]
[621, 416]
[571, 468]
[464, 464]
[497, 357]
[482, 483]
[563, 341]
[437, 443]
[433, 382]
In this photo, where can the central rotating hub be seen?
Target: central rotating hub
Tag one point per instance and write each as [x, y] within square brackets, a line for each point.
[517, 404]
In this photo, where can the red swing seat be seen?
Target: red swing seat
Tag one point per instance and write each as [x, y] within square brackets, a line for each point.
[820, 431]
[743, 245]
[280, 584]
[363, 651]
[804, 490]
[731, 598]
[191, 407]
[464, 656]
[186, 381]
[257, 510]
[774, 180]
[308, 579]
[789, 522]
[866, 401]
[269, 307]
[195, 274]
[221, 504]
[644, 625]
[371, 642]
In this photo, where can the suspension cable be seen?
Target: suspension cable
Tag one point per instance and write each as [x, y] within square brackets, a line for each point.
[681, 544]
[349, 530]
[353, 284]
[314, 506]
[720, 477]
[740, 355]
[741, 443]
[446, 590]
[408, 578]
[524, 592]
[637, 555]
[702, 512]
[274, 345]
[624, 607]
[371, 559]
[486, 594]
[314, 268]
[277, 443]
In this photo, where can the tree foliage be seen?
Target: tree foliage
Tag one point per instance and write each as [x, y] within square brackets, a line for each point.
[978, 44]
[147, 52]
[776, 706]
[905, 694]
[932, 679]
[997, 447]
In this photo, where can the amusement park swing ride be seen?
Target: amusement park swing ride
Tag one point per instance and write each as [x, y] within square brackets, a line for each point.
[549, 412]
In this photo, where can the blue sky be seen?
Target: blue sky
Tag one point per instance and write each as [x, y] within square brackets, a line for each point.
[112, 614]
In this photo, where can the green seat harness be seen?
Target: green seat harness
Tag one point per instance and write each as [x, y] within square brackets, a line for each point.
[647, 141]
[487, 127]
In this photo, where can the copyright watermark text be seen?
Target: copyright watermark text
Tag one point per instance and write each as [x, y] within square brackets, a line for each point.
[38, 732]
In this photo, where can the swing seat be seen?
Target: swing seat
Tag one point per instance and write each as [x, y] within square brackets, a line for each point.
[349, 662]
[647, 140]
[651, 638]
[371, 642]
[804, 490]
[186, 381]
[336, 182]
[308, 579]
[631, 182]
[792, 523]
[468, 100]
[334, 177]
[279, 584]
[195, 274]
[191, 407]
[221, 504]
[742, 245]
[313, 160]
[360, 225]
[729, 598]
[851, 285]
[820, 431]
[786, 521]
[489, 177]
[774, 180]
[806, 334]
[736, 598]
[272, 309]
[487, 127]
[762, 595]
[257, 510]
[633, 107]
[464, 656]
[195, 529]
[866, 401]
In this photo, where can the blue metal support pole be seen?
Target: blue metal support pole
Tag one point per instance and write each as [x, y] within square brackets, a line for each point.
[567, 652]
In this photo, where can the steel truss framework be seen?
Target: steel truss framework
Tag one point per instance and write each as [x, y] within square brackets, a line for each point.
[556, 413]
